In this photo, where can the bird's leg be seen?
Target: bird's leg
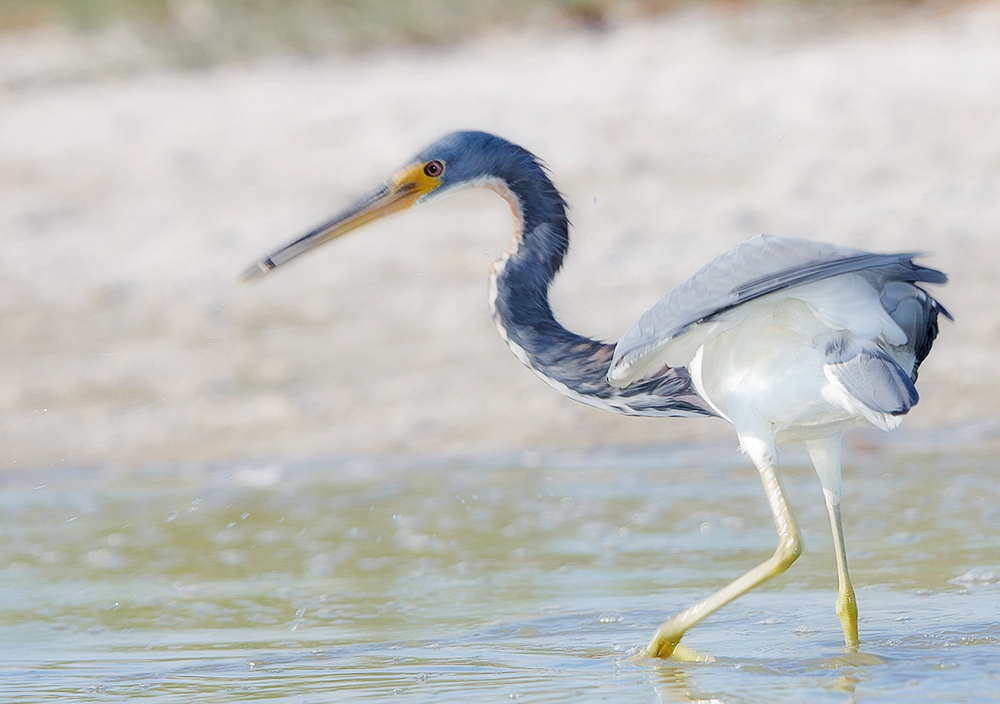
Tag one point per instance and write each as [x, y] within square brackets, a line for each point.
[847, 605]
[825, 454]
[665, 641]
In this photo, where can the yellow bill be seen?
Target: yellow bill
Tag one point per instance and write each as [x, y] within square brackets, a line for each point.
[406, 188]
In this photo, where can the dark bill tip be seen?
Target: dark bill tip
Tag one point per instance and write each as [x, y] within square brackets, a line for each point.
[256, 272]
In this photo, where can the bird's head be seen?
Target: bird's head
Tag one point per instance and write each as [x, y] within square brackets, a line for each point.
[457, 160]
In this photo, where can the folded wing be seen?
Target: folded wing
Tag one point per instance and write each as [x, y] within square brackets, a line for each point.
[768, 264]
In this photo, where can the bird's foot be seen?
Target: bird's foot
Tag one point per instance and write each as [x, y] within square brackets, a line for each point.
[663, 648]
[847, 611]
[682, 653]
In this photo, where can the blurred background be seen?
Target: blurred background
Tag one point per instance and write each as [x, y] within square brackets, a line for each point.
[152, 149]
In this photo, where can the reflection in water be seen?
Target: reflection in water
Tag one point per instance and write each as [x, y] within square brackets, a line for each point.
[680, 682]
[408, 579]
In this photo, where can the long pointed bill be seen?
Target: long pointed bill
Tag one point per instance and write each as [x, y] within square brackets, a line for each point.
[401, 192]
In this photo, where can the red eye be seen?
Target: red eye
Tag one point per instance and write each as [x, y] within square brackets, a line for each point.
[434, 168]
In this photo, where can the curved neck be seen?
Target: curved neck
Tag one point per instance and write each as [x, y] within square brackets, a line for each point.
[519, 302]
[520, 278]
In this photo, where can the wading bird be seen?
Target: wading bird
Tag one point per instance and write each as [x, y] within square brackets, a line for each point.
[788, 340]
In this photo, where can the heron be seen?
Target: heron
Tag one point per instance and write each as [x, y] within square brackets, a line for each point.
[789, 340]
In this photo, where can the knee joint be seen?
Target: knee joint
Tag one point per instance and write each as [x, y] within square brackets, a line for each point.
[788, 551]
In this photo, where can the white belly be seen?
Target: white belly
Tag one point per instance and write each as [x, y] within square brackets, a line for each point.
[763, 366]
[765, 375]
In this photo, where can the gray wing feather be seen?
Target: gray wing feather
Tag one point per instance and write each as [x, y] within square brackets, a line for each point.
[876, 380]
[916, 313]
[757, 267]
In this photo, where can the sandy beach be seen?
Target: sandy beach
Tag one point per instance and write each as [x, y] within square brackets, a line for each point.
[129, 203]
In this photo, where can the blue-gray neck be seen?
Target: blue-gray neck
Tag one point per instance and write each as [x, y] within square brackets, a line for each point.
[574, 364]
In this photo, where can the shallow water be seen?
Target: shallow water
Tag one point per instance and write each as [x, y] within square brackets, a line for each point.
[494, 579]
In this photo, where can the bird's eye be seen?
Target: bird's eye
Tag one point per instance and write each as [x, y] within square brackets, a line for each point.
[434, 168]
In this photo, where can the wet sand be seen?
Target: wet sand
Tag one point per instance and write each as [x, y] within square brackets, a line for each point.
[130, 202]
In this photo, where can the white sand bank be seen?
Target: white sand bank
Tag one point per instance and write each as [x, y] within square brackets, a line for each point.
[127, 206]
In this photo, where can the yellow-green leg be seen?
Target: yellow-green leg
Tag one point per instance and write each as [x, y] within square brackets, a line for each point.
[667, 637]
[825, 455]
[847, 605]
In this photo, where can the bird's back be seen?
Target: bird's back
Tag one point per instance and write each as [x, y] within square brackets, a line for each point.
[781, 332]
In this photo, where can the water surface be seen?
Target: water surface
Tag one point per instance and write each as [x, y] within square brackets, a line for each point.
[529, 578]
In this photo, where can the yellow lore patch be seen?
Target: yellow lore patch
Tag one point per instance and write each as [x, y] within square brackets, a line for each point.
[414, 182]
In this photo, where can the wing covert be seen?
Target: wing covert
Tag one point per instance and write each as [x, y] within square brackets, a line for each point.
[757, 267]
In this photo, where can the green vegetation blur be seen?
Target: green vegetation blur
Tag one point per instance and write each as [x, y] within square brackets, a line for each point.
[199, 32]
